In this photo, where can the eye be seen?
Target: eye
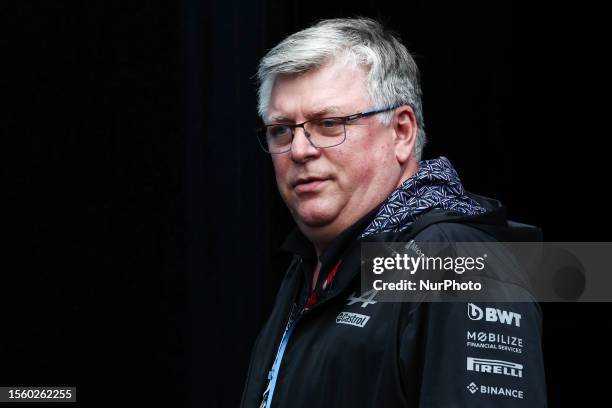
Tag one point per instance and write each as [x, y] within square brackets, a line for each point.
[277, 131]
[329, 123]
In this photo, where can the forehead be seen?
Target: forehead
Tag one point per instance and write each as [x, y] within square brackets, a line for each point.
[333, 88]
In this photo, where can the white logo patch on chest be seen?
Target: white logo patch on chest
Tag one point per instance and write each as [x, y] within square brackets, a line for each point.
[354, 319]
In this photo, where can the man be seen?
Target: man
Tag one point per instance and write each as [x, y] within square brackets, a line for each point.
[344, 127]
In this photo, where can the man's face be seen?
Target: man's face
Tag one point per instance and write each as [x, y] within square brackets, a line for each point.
[328, 189]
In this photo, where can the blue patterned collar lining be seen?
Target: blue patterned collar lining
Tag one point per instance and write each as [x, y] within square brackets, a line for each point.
[435, 185]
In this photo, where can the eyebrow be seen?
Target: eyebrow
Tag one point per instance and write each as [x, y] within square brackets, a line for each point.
[311, 115]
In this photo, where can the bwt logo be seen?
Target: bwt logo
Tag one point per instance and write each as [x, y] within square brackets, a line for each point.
[491, 314]
[483, 365]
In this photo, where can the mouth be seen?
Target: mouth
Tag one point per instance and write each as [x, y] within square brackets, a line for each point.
[309, 184]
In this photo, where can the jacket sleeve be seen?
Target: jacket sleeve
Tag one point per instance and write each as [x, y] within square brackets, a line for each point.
[474, 355]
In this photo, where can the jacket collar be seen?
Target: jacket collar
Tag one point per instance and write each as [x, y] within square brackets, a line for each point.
[435, 185]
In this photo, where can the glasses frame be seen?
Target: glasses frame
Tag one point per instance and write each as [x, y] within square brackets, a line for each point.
[264, 129]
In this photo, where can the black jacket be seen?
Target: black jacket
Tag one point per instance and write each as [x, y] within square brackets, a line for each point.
[405, 354]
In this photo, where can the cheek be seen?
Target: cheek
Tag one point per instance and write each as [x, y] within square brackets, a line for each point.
[365, 165]
[355, 173]
[280, 172]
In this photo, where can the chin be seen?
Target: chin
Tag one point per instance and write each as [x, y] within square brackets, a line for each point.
[315, 215]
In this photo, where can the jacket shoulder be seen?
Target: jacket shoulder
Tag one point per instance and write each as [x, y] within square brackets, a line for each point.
[452, 232]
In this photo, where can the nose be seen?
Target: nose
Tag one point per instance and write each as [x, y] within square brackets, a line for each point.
[301, 148]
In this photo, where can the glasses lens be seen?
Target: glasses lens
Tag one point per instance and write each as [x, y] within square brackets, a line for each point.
[276, 138]
[326, 132]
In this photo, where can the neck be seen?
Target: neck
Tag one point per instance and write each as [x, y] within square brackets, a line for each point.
[320, 237]
[412, 167]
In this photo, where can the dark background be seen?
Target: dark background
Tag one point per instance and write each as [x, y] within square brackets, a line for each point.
[142, 221]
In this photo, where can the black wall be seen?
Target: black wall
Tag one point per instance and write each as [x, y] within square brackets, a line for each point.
[142, 220]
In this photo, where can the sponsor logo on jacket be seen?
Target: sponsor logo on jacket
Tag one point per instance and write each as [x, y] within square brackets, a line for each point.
[492, 390]
[491, 314]
[483, 365]
[494, 341]
[366, 298]
[354, 319]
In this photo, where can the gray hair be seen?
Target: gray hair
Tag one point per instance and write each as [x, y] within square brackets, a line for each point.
[393, 76]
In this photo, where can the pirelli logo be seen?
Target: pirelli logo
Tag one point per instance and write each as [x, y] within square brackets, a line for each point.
[354, 319]
[483, 365]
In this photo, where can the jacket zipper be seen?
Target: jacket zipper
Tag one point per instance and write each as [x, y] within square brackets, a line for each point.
[287, 329]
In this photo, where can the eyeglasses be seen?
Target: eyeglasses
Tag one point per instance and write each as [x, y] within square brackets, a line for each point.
[322, 133]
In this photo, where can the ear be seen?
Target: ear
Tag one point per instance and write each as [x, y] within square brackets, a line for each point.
[405, 128]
